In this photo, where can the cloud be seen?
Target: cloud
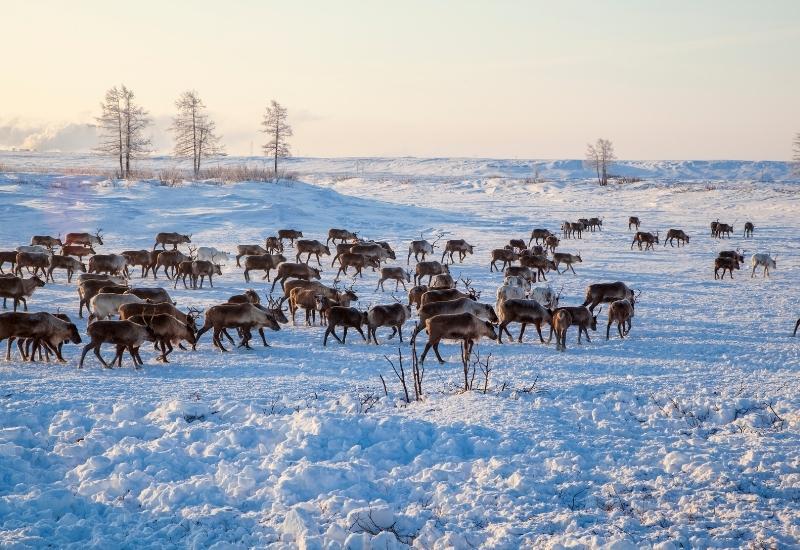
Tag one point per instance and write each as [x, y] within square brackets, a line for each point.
[68, 137]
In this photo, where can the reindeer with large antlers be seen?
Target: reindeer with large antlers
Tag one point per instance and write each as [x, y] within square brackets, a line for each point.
[85, 239]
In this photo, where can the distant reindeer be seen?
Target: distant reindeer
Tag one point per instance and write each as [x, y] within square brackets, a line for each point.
[566, 259]
[290, 234]
[634, 221]
[174, 239]
[505, 255]
[644, 237]
[764, 260]
[398, 274]
[725, 264]
[457, 245]
[538, 235]
[748, 229]
[678, 235]
[342, 235]
[85, 239]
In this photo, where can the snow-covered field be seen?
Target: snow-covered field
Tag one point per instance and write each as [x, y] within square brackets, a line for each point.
[685, 435]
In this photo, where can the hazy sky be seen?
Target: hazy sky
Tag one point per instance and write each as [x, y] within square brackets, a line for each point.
[663, 80]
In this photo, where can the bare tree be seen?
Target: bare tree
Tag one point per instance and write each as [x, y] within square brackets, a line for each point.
[122, 125]
[278, 131]
[599, 156]
[195, 132]
[796, 153]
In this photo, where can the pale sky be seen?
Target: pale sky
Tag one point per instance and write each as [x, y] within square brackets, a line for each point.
[527, 79]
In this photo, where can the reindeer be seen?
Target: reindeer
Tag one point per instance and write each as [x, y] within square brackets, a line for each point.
[457, 245]
[521, 271]
[288, 270]
[449, 307]
[459, 326]
[127, 311]
[576, 229]
[595, 223]
[112, 264]
[342, 235]
[764, 260]
[551, 243]
[174, 239]
[538, 235]
[357, 261]
[19, 289]
[123, 334]
[621, 312]
[735, 254]
[546, 296]
[391, 315]
[566, 229]
[429, 268]
[143, 258]
[110, 279]
[398, 274]
[152, 295]
[441, 281]
[38, 261]
[308, 246]
[415, 295]
[676, 234]
[644, 237]
[250, 250]
[202, 269]
[517, 245]
[273, 309]
[604, 293]
[77, 250]
[540, 264]
[524, 312]
[166, 331]
[445, 295]
[583, 318]
[300, 298]
[8, 256]
[725, 264]
[566, 259]
[714, 226]
[48, 242]
[748, 229]
[505, 255]
[290, 234]
[240, 316]
[183, 270]
[88, 289]
[273, 245]
[724, 229]
[347, 317]
[561, 321]
[169, 259]
[249, 296]
[517, 281]
[796, 326]
[64, 262]
[86, 239]
[378, 250]
[634, 221]
[37, 329]
[265, 262]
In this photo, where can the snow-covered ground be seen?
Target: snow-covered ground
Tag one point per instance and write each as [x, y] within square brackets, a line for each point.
[685, 435]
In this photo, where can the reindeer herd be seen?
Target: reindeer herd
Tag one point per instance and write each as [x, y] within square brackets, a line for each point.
[126, 316]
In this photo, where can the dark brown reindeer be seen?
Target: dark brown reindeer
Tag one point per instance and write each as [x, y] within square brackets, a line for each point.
[290, 234]
[460, 326]
[457, 245]
[85, 239]
[174, 239]
[634, 221]
[538, 235]
[605, 293]
[643, 237]
[342, 235]
[309, 247]
[676, 235]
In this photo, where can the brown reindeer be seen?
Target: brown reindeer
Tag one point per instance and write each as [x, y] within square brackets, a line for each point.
[566, 259]
[540, 263]
[460, 326]
[442, 281]
[288, 270]
[357, 261]
[391, 315]
[155, 295]
[127, 311]
[677, 235]
[174, 239]
[202, 269]
[306, 299]
[249, 296]
[250, 250]
[167, 330]
[562, 320]
[346, 317]
[419, 247]
[244, 316]
[111, 264]
[517, 245]
[604, 293]
[620, 312]
[8, 256]
[521, 271]
[723, 230]
[309, 246]
[169, 259]
[40, 262]
[415, 295]
[644, 237]
[122, 334]
[457, 245]
[19, 289]
[450, 307]
[381, 251]
[551, 243]
[398, 274]
[507, 256]
[290, 234]
[71, 265]
[748, 229]
[725, 264]
[46, 241]
[77, 250]
[582, 318]
[522, 311]
[37, 329]
[262, 262]
[86, 239]
[735, 254]
[342, 235]
[595, 223]
[429, 268]
[143, 258]
[539, 235]
[634, 221]
[444, 295]
[273, 245]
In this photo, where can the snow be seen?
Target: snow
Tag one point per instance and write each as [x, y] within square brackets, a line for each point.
[687, 434]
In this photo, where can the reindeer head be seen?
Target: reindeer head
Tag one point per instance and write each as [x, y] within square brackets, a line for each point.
[99, 235]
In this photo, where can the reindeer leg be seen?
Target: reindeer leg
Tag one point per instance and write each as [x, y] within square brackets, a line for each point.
[344, 337]
[424, 353]
[436, 351]
[521, 332]
[361, 332]
[100, 357]
[86, 349]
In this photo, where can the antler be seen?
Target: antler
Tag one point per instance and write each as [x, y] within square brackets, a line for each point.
[559, 292]
[192, 251]
[438, 238]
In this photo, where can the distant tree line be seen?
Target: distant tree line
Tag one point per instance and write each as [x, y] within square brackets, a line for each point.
[122, 124]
